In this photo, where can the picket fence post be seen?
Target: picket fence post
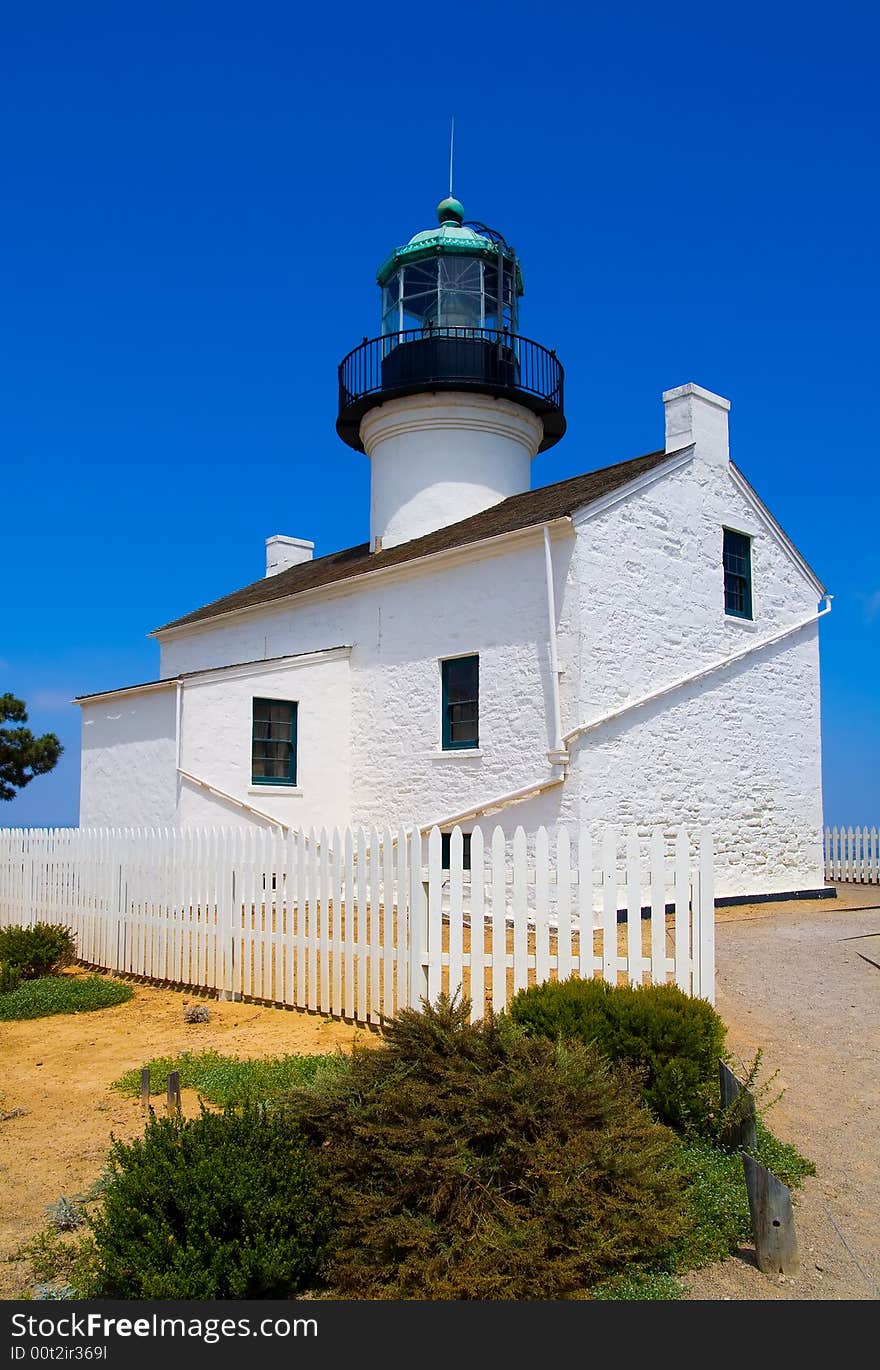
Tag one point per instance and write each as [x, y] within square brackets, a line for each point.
[417, 989]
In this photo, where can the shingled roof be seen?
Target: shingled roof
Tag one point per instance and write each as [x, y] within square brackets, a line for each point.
[519, 511]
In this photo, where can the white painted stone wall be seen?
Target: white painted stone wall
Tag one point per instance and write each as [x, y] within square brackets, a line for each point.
[129, 773]
[741, 750]
[639, 592]
[216, 723]
[128, 776]
[399, 631]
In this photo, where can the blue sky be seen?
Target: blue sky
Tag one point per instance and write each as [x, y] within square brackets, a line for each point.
[195, 198]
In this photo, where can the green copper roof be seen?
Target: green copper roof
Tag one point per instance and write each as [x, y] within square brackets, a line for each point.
[450, 236]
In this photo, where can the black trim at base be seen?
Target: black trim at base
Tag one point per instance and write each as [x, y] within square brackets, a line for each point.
[731, 900]
[826, 892]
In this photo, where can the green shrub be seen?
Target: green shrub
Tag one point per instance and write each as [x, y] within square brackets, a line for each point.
[10, 977]
[62, 994]
[228, 1081]
[224, 1206]
[670, 1039]
[468, 1161]
[43, 949]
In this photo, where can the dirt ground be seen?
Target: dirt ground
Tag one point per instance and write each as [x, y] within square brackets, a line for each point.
[790, 979]
[60, 1070]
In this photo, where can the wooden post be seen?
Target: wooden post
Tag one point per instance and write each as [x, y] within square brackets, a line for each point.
[772, 1220]
[741, 1129]
[173, 1093]
[145, 1089]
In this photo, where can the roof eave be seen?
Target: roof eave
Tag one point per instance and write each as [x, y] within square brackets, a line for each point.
[462, 552]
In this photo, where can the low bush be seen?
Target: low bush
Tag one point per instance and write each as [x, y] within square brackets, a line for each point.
[670, 1039]
[10, 977]
[224, 1206]
[467, 1161]
[62, 994]
[43, 949]
[228, 1081]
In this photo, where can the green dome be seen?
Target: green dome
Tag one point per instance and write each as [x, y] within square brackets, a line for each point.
[450, 236]
[450, 210]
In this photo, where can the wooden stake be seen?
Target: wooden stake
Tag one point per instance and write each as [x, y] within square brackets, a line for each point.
[145, 1090]
[741, 1131]
[772, 1220]
[173, 1093]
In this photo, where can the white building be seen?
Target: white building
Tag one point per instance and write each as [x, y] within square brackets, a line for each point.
[636, 644]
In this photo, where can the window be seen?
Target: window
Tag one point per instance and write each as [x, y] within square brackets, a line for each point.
[273, 742]
[446, 850]
[461, 702]
[737, 574]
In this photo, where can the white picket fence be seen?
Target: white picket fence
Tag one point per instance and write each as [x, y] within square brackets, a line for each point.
[852, 854]
[360, 924]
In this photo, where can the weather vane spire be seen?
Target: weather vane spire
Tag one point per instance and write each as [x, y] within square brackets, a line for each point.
[451, 151]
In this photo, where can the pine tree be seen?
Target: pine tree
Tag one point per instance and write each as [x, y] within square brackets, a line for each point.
[22, 756]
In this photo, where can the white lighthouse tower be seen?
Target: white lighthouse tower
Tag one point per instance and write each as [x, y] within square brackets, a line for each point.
[450, 402]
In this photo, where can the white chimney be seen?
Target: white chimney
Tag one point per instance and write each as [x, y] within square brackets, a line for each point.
[695, 415]
[283, 552]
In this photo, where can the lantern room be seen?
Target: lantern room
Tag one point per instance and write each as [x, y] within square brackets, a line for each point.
[451, 277]
[450, 321]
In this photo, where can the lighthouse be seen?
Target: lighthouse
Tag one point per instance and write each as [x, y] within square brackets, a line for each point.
[450, 402]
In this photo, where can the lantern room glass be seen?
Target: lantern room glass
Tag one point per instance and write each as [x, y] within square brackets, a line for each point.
[450, 292]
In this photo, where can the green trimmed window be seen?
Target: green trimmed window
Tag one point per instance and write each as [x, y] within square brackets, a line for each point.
[273, 742]
[446, 851]
[737, 574]
[461, 703]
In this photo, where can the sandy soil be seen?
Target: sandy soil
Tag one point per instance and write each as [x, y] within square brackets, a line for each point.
[790, 979]
[60, 1069]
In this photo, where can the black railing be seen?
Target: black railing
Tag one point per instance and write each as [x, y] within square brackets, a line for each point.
[482, 359]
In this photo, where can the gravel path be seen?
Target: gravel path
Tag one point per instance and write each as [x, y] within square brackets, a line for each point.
[791, 980]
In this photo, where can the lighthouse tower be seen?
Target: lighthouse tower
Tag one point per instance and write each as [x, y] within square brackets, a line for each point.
[450, 403]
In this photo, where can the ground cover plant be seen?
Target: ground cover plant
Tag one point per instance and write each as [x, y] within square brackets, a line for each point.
[216, 1207]
[228, 1081]
[44, 949]
[470, 1161]
[61, 994]
[716, 1200]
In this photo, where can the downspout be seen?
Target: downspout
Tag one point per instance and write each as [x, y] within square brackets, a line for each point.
[501, 801]
[530, 791]
[178, 725]
[558, 753]
[239, 803]
[730, 660]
